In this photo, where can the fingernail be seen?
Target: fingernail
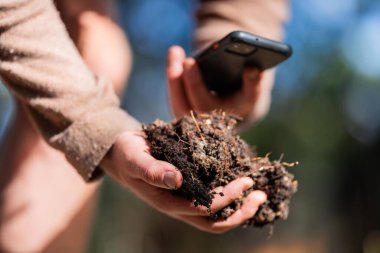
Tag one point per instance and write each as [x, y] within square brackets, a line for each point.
[260, 196]
[247, 181]
[176, 66]
[189, 63]
[170, 180]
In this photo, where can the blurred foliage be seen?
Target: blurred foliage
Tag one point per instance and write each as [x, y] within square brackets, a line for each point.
[6, 108]
[310, 121]
[325, 114]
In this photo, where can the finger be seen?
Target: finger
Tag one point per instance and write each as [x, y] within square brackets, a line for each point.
[155, 172]
[165, 201]
[230, 193]
[251, 85]
[247, 211]
[199, 96]
[174, 66]
[174, 70]
[246, 99]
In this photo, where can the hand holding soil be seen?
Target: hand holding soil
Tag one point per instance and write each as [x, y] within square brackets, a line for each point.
[209, 155]
[130, 164]
[187, 91]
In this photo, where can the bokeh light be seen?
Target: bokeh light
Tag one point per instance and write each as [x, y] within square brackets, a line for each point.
[362, 108]
[361, 45]
[154, 26]
[327, 13]
[325, 114]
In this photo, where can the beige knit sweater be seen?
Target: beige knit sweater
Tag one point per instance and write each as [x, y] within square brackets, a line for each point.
[77, 112]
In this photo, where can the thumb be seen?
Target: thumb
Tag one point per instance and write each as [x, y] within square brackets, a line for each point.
[251, 83]
[159, 173]
[176, 56]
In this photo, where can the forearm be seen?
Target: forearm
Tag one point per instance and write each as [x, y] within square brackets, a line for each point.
[76, 112]
[102, 43]
[71, 12]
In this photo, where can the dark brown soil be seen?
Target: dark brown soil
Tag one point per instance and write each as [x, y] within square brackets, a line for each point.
[209, 153]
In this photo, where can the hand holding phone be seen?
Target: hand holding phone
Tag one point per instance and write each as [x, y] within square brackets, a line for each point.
[222, 63]
[188, 91]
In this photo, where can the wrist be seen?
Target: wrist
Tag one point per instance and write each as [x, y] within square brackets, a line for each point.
[109, 164]
[114, 163]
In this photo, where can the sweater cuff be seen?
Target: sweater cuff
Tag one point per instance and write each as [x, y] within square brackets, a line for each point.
[87, 141]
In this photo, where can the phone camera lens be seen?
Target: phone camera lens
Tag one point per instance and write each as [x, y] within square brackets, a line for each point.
[241, 48]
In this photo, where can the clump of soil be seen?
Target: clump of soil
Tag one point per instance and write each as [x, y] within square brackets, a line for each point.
[209, 153]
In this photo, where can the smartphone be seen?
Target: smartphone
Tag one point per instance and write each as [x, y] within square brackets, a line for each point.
[222, 63]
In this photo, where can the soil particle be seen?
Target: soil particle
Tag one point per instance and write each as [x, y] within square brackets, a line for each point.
[209, 153]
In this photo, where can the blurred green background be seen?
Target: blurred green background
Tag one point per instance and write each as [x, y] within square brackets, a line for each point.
[325, 114]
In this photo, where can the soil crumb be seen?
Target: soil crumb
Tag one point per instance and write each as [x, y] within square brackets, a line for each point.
[209, 153]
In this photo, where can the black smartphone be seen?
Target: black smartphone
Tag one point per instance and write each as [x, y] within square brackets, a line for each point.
[222, 63]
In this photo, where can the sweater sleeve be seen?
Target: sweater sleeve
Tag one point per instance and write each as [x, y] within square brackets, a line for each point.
[216, 18]
[75, 111]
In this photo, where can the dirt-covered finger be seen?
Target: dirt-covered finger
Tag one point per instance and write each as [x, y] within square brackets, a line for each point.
[165, 200]
[247, 211]
[223, 196]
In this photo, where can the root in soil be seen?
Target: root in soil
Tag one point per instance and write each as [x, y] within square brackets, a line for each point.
[209, 153]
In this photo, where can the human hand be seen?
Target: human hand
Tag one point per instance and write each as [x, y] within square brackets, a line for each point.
[187, 90]
[130, 164]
